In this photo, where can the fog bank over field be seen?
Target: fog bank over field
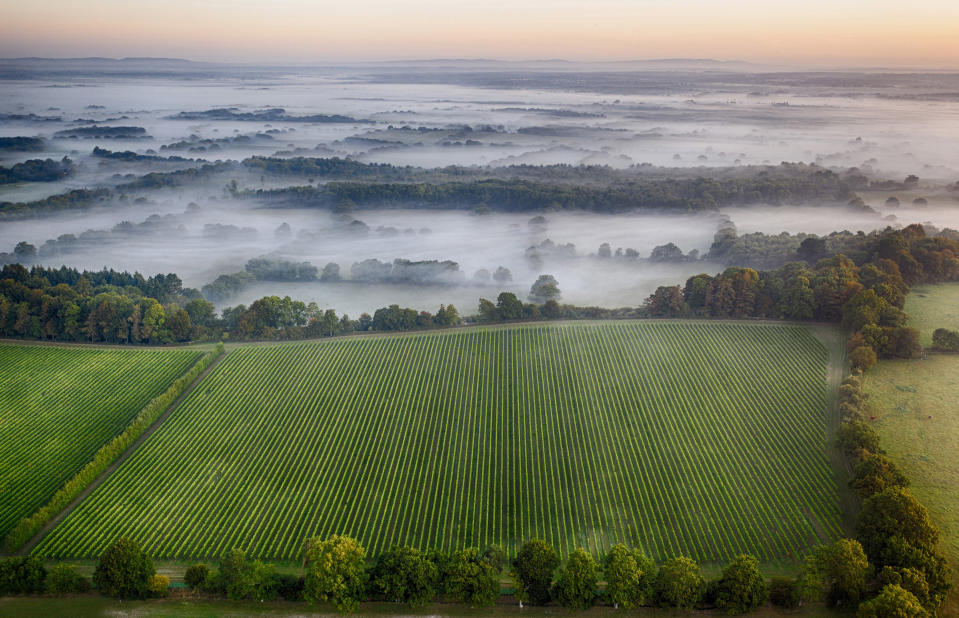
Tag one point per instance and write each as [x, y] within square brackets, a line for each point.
[649, 124]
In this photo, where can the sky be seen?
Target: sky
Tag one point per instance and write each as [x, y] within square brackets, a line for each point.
[811, 32]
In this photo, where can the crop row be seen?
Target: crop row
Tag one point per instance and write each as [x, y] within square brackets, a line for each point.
[58, 406]
[703, 439]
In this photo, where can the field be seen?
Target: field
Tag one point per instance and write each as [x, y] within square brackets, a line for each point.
[59, 405]
[916, 405]
[704, 439]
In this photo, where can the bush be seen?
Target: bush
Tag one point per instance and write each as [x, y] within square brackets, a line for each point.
[243, 579]
[196, 576]
[159, 586]
[945, 340]
[124, 571]
[289, 587]
[782, 592]
[63, 579]
[21, 576]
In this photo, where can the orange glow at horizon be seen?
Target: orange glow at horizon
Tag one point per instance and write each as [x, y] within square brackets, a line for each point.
[815, 31]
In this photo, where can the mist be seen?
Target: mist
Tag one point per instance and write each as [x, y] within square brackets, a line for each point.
[645, 122]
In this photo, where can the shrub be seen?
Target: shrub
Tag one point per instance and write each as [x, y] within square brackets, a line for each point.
[289, 587]
[945, 340]
[782, 592]
[63, 579]
[196, 575]
[159, 586]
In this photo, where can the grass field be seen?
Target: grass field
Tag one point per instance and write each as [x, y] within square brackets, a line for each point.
[931, 307]
[59, 405]
[704, 439]
[916, 405]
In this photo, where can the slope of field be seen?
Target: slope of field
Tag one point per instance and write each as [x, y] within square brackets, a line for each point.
[703, 439]
[916, 405]
[58, 406]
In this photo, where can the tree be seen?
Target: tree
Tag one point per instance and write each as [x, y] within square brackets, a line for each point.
[25, 251]
[543, 289]
[679, 583]
[666, 302]
[334, 572]
[629, 575]
[742, 588]
[507, 306]
[404, 575]
[63, 579]
[893, 602]
[895, 512]
[487, 311]
[330, 322]
[533, 572]
[123, 571]
[862, 358]
[471, 579]
[843, 570]
[875, 473]
[502, 275]
[576, 585]
[21, 575]
[331, 273]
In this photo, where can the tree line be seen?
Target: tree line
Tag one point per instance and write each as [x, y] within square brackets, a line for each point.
[865, 293]
[337, 571]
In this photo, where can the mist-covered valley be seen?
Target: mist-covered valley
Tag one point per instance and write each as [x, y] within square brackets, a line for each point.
[460, 172]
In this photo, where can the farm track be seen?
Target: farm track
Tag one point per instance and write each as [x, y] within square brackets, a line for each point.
[32, 543]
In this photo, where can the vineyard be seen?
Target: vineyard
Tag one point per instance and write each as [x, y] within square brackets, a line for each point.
[59, 405]
[704, 439]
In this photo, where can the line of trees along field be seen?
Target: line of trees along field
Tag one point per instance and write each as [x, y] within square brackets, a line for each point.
[337, 572]
[866, 295]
